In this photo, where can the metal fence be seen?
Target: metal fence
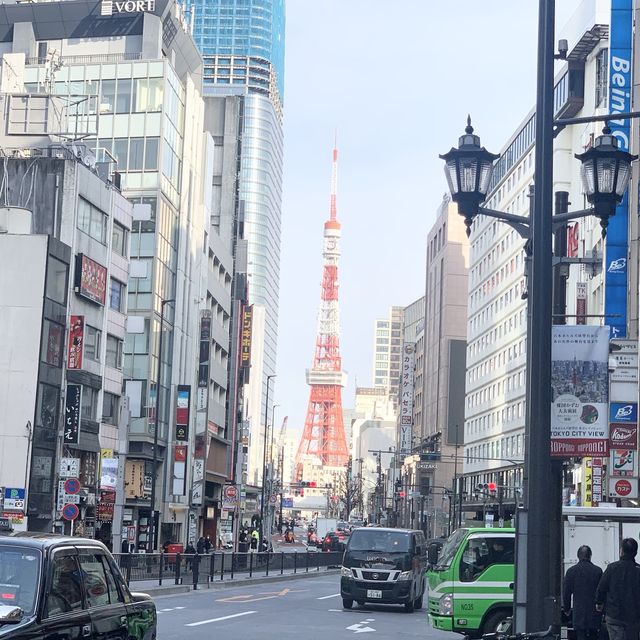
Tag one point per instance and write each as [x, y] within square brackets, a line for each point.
[182, 568]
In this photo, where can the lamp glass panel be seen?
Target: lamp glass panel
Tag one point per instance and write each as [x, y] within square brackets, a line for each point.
[468, 174]
[624, 173]
[606, 168]
[586, 172]
[451, 172]
[486, 169]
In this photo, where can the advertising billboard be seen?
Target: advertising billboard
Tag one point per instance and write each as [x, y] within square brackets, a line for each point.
[579, 391]
[406, 396]
[90, 279]
[71, 434]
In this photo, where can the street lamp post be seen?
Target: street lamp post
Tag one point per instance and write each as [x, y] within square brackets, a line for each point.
[264, 459]
[154, 465]
[605, 176]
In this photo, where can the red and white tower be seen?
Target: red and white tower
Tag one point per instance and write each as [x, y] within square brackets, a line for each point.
[323, 434]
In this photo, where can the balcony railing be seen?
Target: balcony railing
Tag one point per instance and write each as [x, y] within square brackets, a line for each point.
[88, 59]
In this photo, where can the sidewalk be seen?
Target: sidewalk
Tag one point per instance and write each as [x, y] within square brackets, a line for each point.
[168, 587]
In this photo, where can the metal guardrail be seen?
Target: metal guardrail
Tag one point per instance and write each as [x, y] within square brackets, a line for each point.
[182, 568]
[87, 59]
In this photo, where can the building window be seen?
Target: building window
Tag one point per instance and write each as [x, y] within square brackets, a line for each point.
[52, 341]
[56, 287]
[89, 403]
[110, 408]
[114, 352]
[119, 238]
[92, 221]
[116, 295]
[92, 343]
[602, 76]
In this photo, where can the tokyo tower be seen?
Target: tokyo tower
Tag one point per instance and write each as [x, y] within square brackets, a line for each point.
[323, 435]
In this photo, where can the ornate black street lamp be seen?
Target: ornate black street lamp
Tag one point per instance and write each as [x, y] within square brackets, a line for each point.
[605, 172]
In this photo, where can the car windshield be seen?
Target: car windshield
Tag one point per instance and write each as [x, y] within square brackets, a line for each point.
[377, 540]
[449, 549]
[19, 571]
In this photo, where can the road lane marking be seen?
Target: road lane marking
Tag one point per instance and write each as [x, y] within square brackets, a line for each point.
[233, 615]
[359, 628]
[169, 609]
[264, 595]
[333, 595]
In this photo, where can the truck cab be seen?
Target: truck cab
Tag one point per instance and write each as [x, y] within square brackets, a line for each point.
[471, 581]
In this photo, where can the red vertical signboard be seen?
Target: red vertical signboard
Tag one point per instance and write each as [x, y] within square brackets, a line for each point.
[76, 342]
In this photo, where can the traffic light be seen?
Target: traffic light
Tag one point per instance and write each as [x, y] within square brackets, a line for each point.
[401, 494]
[309, 484]
[493, 487]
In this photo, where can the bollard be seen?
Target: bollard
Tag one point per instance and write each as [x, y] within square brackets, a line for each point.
[250, 565]
[212, 568]
[268, 556]
[295, 563]
[178, 568]
[195, 568]
[160, 569]
[317, 562]
[307, 562]
[128, 578]
[233, 562]
[222, 568]
[282, 563]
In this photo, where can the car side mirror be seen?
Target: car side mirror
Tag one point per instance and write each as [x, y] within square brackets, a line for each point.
[10, 615]
[432, 555]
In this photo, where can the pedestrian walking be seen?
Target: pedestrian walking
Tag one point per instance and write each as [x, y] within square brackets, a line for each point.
[618, 593]
[579, 595]
[207, 544]
[200, 545]
[255, 538]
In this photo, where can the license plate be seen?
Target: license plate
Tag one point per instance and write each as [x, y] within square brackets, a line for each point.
[374, 593]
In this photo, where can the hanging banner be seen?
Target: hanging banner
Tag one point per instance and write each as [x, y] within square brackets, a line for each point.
[406, 396]
[71, 433]
[580, 391]
[617, 241]
[179, 470]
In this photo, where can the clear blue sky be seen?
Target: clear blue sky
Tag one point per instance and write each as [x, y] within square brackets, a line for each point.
[396, 79]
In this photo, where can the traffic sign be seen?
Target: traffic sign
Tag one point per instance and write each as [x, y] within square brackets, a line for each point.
[70, 511]
[72, 486]
[272, 499]
[231, 492]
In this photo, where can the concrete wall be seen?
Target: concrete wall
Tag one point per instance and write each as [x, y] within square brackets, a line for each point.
[22, 280]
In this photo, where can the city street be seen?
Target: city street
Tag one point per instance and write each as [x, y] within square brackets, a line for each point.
[309, 608]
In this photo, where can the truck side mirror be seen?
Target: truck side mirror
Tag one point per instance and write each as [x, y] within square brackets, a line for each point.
[432, 555]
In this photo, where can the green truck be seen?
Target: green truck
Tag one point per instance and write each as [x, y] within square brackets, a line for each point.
[471, 583]
[471, 579]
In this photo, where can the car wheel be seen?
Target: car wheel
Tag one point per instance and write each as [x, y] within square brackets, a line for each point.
[417, 603]
[361, 603]
[494, 619]
[347, 604]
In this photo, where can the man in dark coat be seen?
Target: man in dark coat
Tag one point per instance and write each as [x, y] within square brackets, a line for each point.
[579, 595]
[618, 593]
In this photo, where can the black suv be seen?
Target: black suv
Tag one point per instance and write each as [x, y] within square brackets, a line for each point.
[54, 587]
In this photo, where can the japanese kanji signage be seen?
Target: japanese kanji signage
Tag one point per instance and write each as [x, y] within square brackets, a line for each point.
[406, 396]
[76, 340]
[245, 338]
[71, 433]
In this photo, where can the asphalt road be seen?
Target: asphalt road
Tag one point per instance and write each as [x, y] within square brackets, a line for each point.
[305, 609]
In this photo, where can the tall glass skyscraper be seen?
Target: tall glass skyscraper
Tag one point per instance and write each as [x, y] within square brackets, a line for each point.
[242, 44]
[226, 31]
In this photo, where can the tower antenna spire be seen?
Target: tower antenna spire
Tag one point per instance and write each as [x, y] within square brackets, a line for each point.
[334, 180]
[323, 436]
